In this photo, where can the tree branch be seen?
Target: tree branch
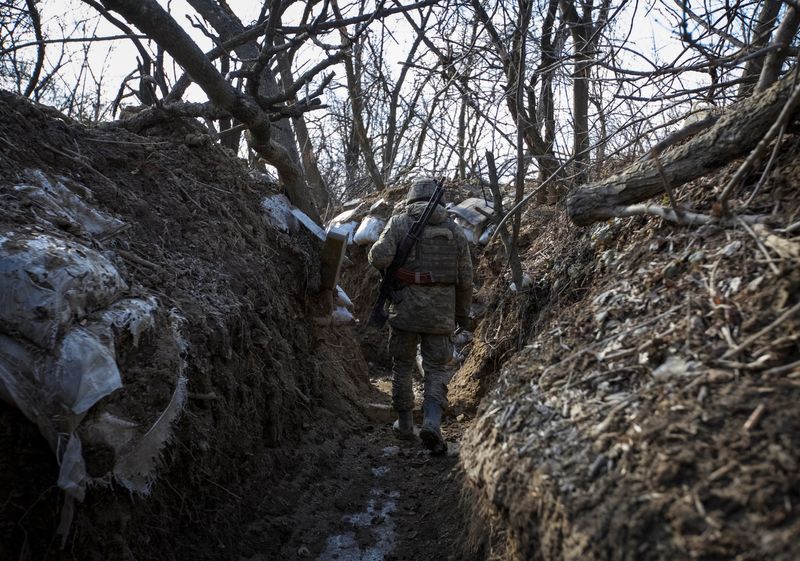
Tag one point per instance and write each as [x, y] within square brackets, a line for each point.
[736, 132]
[37, 29]
[151, 18]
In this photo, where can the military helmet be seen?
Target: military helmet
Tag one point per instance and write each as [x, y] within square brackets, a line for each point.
[421, 191]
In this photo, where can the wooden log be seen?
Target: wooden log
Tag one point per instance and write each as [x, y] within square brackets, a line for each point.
[737, 131]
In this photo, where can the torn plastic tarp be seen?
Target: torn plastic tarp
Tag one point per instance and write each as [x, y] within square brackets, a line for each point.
[60, 206]
[278, 211]
[474, 211]
[59, 333]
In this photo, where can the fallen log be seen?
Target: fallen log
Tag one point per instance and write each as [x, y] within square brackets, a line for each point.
[736, 132]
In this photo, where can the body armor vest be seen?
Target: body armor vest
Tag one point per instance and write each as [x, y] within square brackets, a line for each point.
[436, 252]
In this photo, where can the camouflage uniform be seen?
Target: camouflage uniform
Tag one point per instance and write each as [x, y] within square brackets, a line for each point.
[425, 313]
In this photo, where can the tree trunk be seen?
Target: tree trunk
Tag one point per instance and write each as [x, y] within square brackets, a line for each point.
[318, 189]
[357, 106]
[229, 141]
[462, 133]
[228, 26]
[393, 135]
[760, 38]
[581, 30]
[533, 138]
[736, 133]
[783, 38]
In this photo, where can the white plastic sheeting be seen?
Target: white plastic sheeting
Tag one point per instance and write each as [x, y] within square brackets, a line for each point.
[61, 318]
[60, 206]
[278, 212]
[48, 283]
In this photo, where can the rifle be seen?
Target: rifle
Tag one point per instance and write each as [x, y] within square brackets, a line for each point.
[389, 283]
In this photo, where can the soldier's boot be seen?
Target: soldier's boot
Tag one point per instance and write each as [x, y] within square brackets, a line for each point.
[431, 432]
[404, 425]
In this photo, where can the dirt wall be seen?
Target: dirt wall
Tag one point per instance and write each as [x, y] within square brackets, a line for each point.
[262, 379]
[650, 414]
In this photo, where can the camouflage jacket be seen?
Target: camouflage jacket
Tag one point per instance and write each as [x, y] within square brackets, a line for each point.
[431, 308]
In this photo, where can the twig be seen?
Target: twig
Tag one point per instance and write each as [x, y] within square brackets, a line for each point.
[686, 218]
[673, 201]
[757, 364]
[761, 246]
[754, 417]
[584, 350]
[113, 233]
[791, 229]
[128, 142]
[527, 198]
[210, 396]
[767, 168]
[748, 164]
[747, 342]
[136, 259]
[13, 48]
[217, 485]
[778, 370]
[81, 162]
[605, 423]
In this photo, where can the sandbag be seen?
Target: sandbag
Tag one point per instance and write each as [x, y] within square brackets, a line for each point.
[48, 283]
[369, 230]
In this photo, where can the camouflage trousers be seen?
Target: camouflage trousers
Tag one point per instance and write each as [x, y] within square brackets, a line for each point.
[436, 351]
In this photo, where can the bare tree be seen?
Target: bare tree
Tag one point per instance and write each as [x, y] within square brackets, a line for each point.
[249, 108]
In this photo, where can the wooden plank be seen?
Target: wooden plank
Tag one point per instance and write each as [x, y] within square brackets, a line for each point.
[332, 256]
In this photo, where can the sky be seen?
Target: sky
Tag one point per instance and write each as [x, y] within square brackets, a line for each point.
[653, 32]
[115, 60]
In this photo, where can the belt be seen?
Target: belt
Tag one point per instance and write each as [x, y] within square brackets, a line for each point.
[414, 277]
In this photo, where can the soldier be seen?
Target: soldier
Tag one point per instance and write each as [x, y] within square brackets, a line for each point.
[436, 294]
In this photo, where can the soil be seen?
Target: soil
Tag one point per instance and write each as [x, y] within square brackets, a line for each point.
[651, 413]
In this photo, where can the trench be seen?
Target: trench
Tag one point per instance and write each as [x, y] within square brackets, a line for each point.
[273, 429]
